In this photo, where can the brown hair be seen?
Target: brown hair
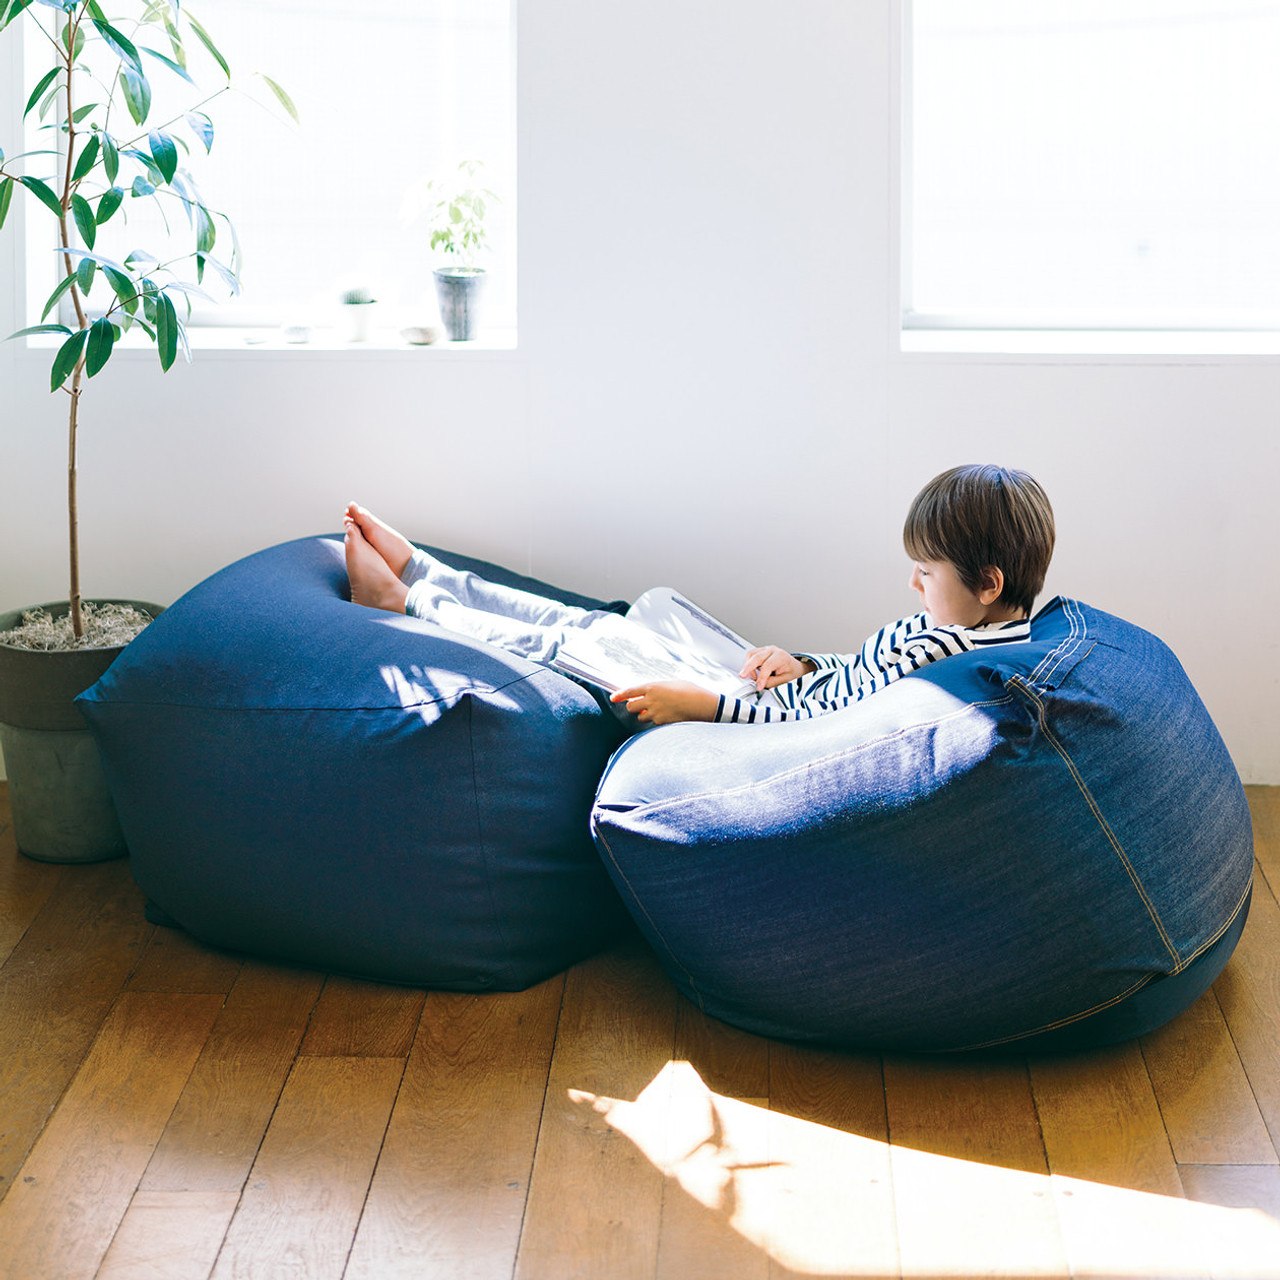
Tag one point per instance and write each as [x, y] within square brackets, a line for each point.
[978, 517]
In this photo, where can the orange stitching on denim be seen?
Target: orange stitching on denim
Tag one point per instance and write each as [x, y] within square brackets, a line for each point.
[1178, 962]
[1061, 1022]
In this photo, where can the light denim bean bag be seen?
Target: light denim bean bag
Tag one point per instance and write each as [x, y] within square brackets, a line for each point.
[1038, 845]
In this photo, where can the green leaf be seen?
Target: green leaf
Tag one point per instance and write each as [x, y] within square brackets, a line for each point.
[44, 193]
[173, 66]
[82, 212]
[49, 99]
[67, 358]
[229, 277]
[141, 187]
[11, 11]
[85, 273]
[206, 232]
[88, 158]
[285, 101]
[79, 42]
[166, 331]
[102, 337]
[137, 94]
[120, 43]
[38, 328]
[203, 36]
[164, 153]
[6, 198]
[45, 81]
[202, 127]
[62, 286]
[110, 158]
[81, 112]
[109, 203]
[124, 288]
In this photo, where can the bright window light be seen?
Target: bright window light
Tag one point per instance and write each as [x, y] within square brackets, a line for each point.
[390, 96]
[1091, 164]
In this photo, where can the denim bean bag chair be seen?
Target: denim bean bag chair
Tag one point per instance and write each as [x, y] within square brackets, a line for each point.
[302, 778]
[1040, 846]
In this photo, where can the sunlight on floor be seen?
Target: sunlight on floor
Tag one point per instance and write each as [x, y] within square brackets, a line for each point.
[824, 1202]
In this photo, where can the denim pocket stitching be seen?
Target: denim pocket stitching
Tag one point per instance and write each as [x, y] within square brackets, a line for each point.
[1075, 638]
[1178, 962]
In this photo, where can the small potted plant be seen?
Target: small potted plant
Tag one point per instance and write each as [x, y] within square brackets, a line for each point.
[457, 220]
[357, 310]
[104, 153]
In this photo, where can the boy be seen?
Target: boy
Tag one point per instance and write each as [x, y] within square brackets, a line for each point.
[981, 538]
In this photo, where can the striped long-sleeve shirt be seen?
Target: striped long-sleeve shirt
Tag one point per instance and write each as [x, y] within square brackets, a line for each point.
[841, 679]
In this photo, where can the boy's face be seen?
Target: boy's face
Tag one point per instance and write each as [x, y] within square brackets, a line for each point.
[946, 599]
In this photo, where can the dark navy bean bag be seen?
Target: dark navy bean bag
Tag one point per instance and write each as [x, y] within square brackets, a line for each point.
[1040, 846]
[301, 778]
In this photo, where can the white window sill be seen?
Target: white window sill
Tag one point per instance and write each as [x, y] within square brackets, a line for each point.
[327, 341]
[1077, 344]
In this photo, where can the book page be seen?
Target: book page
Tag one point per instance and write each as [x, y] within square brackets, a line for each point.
[618, 652]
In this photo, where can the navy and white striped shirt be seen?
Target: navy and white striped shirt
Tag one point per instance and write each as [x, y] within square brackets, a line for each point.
[841, 679]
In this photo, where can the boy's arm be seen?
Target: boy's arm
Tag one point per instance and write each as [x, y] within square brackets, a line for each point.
[668, 702]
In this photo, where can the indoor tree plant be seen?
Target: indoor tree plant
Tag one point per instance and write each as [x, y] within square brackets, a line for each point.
[105, 154]
[458, 231]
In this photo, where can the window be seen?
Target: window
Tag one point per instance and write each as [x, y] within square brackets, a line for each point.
[1091, 164]
[389, 96]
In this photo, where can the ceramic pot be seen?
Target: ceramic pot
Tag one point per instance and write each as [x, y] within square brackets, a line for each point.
[459, 290]
[62, 808]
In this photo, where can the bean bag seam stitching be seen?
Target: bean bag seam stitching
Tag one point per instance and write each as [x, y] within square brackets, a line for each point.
[1124, 995]
[635, 897]
[1145, 980]
[484, 843]
[847, 752]
[1178, 962]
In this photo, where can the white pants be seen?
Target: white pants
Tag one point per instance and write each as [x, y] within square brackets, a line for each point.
[528, 625]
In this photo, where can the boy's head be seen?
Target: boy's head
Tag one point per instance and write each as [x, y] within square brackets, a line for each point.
[979, 518]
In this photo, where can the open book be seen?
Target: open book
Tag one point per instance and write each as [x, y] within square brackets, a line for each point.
[663, 636]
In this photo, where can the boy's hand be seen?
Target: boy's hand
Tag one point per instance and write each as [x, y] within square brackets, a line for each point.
[772, 666]
[668, 702]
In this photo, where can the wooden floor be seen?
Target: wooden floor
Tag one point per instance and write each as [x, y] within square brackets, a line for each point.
[167, 1111]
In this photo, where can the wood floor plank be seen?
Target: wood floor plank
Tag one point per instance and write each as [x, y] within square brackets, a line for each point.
[970, 1175]
[449, 1194]
[829, 1132]
[25, 885]
[213, 1137]
[175, 961]
[169, 1235]
[1242, 1235]
[1208, 1106]
[595, 1198]
[300, 1208]
[363, 1020]
[1115, 1183]
[59, 1217]
[1264, 808]
[55, 991]
[1248, 992]
[715, 1216]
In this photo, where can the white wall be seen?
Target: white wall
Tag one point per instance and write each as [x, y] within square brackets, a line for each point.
[707, 392]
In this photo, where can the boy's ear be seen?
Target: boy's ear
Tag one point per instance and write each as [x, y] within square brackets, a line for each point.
[991, 586]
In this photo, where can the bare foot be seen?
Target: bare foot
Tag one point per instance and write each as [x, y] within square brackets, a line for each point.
[393, 547]
[373, 584]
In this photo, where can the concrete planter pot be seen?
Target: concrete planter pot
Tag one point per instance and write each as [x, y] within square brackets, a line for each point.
[62, 809]
[459, 291]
